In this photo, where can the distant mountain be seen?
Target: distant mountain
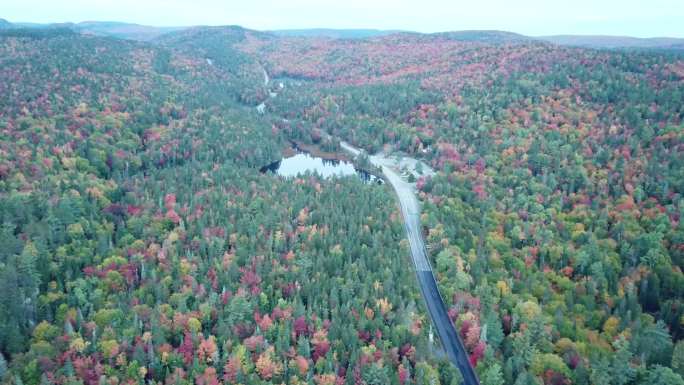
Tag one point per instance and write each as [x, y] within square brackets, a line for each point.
[479, 36]
[119, 30]
[124, 30]
[497, 37]
[600, 41]
[485, 36]
[36, 33]
[334, 33]
[41, 26]
[210, 36]
[140, 32]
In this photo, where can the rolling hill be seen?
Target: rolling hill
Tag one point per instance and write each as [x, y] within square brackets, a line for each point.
[598, 41]
[141, 243]
[140, 32]
[334, 33]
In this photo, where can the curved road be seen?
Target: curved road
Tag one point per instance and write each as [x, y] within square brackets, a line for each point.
[410, 209]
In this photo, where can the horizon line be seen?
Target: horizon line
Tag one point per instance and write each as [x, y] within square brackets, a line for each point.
[392, 30]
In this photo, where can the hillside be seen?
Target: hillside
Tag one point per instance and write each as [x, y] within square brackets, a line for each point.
[494, 37]
[123, 30]
[553, 222]
[102, 28]
[334, 33]
[148, 33]
[615, 41]
[141, 243]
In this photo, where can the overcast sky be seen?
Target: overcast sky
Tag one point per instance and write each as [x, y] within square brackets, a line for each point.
[643, 18]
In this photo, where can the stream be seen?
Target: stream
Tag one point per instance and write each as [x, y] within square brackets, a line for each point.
[261, 108]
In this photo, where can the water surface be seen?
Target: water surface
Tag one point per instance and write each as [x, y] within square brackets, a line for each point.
[302, 162]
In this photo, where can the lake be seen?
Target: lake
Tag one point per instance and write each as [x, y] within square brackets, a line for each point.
[302, 162]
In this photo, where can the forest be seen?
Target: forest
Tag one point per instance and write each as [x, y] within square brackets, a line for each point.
[140, 243]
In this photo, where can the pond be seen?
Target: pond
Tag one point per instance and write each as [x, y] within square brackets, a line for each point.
[302, 162]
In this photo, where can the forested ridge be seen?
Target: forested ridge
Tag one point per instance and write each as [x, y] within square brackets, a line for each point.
[141, 244]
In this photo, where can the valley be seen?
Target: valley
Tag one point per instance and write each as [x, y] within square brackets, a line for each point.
[220, 205]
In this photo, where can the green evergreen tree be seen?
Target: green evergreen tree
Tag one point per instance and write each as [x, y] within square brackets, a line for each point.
[661, 375]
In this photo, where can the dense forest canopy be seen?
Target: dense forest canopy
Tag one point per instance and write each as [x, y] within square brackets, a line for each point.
[141, 244]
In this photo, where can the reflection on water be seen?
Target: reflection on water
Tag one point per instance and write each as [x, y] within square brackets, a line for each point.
[302, 163]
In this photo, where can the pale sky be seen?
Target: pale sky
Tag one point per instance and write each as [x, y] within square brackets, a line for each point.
[641, 18]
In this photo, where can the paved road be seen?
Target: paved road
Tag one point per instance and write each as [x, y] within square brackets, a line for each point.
[410, 209]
